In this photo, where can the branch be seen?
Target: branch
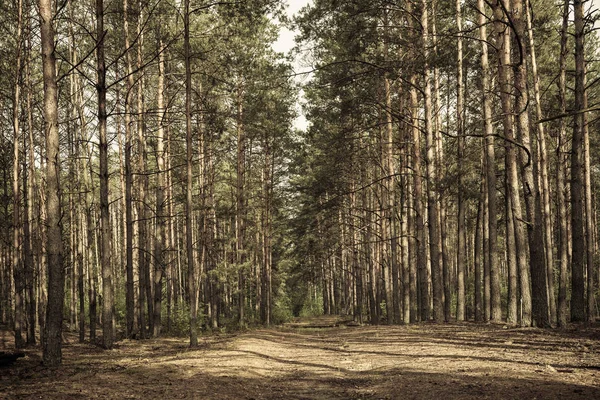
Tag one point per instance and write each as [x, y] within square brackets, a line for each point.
[569, 114]
[76, 66]
[511, 141]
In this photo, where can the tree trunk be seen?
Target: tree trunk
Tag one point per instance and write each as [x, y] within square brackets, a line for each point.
[17, 259]
[490, 156]
[129, 285]
[189, 187]
[578, 257]
[146, 309]
[161, 225]
[29, 224]
[432, 200]
[461, 234]
[105, 239]
[52, 354]
[478, 247]
[240, 204]
[542, 165]
[589, 218]
[530, 185]
[511, 170]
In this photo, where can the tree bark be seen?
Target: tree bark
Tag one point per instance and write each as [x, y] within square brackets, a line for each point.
[189, 186]
[578, 257]
[29, 226]
[240, 219]
[146, 309]
[589, 219]
[17, 233]
[52, 354]
[528, 164]
[105, 237]
[161, 225]
[561, 151]
[129, 285]
[542, 165]
[432, 200]
[461, 234]
[511, 170]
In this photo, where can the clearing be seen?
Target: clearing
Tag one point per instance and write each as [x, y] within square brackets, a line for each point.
[323, 358]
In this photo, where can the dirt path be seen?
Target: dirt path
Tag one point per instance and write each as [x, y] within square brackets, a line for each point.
[315, 360]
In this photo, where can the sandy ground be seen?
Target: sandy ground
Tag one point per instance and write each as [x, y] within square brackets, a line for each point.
[325, 359]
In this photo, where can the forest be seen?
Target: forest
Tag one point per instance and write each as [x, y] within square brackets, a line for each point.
[157, 184]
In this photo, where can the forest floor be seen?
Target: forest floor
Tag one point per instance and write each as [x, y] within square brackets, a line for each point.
[323, 358]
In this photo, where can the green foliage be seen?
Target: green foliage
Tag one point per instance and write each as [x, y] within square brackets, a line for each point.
[282, 310]
[180, 319]
[312, 307]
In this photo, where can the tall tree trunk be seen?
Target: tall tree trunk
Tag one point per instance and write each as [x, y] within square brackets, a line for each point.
[17, 259]
[478, 273]
[511, 261]
[52, 354]
[528, 164]
[490, 155]
[29, 224]
[439, 167]
[105, 239]
[265, 278]
[161, 226]
[542, 165]
[189, 187]
[503, 42]
[240, 204]
[129, 285]
[589, 218]
[423, 298]
[432, 199]
[461, 234]
[146, 309]
[578, 257]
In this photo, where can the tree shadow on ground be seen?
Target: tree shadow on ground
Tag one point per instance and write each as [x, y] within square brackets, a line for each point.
[416, 362]
[170, 381]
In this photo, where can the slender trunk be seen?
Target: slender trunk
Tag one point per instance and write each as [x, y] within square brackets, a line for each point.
[29, 225]
[17, 259]
[105, 253]
[129, 285]
[511, 261]
[485, 239]
[589, 219]
[511, 171]
[439, 167]
[240, 204]
[528, 164]
[161, 234]
[266, 231]
[578, 257]
[146, 309]
[461, 234]
[52, 354]
[490, 156]
[478, 244]
[542, 165]
[188, 204]
[432, 199]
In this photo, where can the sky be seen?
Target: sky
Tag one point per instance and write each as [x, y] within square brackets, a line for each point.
[284, 44]
[286, 37]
